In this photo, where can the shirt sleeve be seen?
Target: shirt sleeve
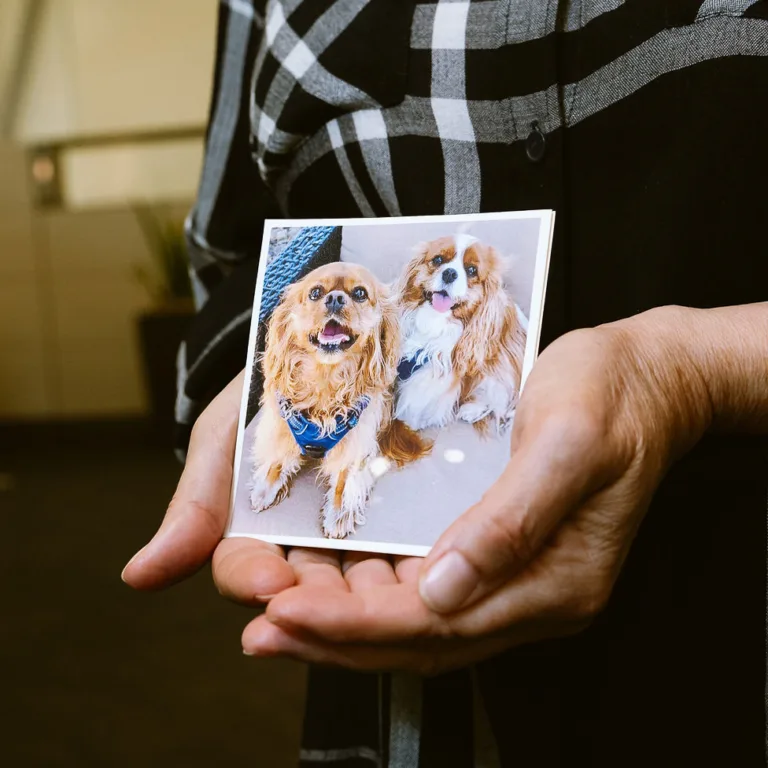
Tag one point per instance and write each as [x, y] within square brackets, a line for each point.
[225, 226]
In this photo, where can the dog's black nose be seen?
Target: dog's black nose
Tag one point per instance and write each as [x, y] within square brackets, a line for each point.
[449, 276]
[335, 301]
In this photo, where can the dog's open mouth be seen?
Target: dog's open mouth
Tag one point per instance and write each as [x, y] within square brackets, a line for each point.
[440, 301]
[334, 337]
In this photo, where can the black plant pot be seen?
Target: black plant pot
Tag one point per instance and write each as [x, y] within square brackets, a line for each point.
[160, 334]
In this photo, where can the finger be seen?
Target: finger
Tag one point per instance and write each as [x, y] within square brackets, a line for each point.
[318, 568]
[260, 638]
[552, 469]
[197, 515]
[249, 571]
[380, 614]
[556, 593]
[567, 585]
[363, 570]
[408, 569]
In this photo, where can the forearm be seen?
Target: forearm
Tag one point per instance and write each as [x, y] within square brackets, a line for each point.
[719, 357]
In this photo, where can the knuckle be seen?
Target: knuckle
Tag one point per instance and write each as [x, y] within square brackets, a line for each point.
[200, 427]
[579, 337]
[205, 514]
[581, 435]
[571, 430]
[511, 534]
[213, 427]
[220, 563]
[175, 505]
[221, 571]
[584, 429]
[589, 601]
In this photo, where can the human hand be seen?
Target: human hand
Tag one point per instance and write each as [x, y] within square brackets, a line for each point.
[197, 515]
[603, 414]
[245, 570]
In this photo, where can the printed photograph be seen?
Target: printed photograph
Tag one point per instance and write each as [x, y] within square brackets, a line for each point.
[385, 364]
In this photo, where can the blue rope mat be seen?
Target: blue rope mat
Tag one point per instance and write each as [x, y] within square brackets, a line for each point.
[312, 247]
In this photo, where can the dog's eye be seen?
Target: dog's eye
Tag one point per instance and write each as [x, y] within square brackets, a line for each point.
[359, 293]
[316, 293]
[472, 270]
[437, 261]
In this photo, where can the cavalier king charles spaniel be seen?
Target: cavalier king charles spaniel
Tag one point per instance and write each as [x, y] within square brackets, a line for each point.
[463, 338]
[330, 363]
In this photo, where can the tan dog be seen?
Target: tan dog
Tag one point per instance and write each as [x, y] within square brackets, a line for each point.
[332, 348]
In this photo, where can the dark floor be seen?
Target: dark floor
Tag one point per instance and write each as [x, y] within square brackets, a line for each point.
[94, 674]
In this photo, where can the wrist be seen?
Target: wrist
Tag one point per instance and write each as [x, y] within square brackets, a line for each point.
[661, 353]
[728, 347]
[711, 362]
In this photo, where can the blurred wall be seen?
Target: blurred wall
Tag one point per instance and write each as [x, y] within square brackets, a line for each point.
[22, 365]
[11, 21]
[115, 66]
[68, 296]
[68, 305]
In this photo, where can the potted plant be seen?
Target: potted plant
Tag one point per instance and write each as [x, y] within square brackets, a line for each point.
[163, 325]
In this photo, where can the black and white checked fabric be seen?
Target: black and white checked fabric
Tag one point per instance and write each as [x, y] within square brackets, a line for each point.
[643, 124]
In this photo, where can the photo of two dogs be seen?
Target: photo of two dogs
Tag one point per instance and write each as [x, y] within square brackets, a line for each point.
[357, 373]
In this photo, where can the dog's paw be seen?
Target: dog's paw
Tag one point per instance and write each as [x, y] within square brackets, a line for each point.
[506, 422]
[338, 524]
[473, 412]
[265, 495]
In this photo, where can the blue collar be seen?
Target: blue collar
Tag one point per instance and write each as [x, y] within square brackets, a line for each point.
[310, 437]
[407, 367]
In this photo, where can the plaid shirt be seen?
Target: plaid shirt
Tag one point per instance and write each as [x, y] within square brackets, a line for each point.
[643, 123]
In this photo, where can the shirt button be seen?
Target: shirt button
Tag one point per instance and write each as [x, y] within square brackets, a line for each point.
[535, 144]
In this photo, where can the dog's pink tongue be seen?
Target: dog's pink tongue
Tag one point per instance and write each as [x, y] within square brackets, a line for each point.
[441, 303]
[333, 338]
[333, 333]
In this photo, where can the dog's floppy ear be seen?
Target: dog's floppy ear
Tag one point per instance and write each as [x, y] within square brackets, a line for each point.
[390, 337]
[384, 345]
[279, 341]
[407, 289]
[496, 267]
[486, 327]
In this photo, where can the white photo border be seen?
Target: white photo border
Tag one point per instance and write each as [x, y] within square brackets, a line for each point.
[536, 314]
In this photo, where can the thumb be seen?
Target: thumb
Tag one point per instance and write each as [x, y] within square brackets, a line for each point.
[197, 515]
[553, 468]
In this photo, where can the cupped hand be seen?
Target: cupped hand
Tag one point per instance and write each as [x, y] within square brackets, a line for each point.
[247, 570]
[604, 413]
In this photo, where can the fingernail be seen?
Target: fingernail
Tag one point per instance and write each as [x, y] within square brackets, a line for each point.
[248, 653]
[448, 583]
[122, 575]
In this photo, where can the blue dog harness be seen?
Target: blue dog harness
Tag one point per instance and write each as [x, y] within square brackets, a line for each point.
[310, 437]
[407, 367]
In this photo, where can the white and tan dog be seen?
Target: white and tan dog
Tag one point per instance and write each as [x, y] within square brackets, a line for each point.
[463, 338]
